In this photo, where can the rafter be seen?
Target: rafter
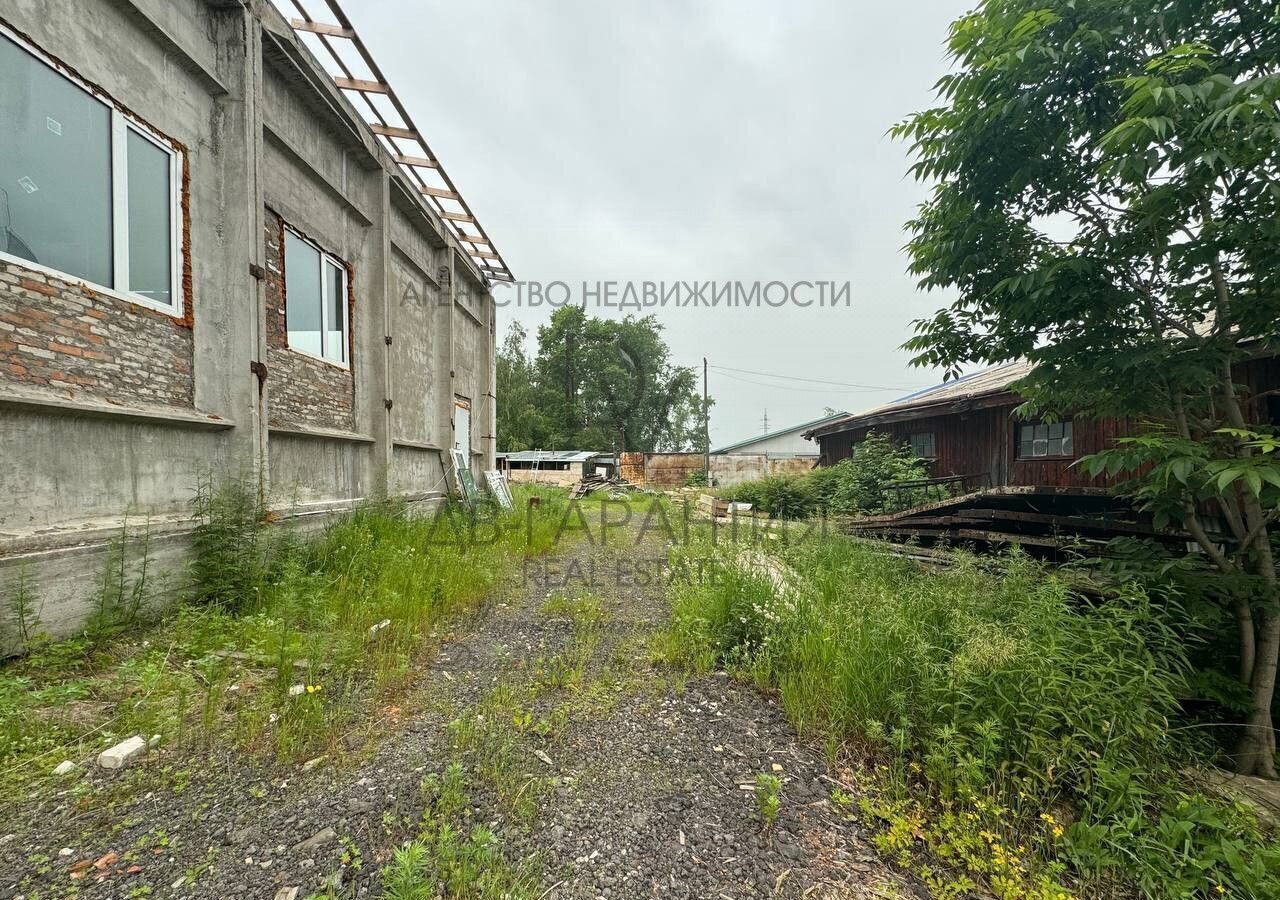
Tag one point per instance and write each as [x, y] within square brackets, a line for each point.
[394, 124]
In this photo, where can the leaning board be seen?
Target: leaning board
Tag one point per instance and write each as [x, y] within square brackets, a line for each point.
[497, 482]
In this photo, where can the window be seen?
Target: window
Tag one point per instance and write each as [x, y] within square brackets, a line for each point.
[315, 293]
[1044, 439]
[922, 444]
[85, 191]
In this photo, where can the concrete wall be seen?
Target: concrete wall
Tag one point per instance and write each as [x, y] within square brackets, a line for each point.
[566, 478]
[109, 410]
[730, 469]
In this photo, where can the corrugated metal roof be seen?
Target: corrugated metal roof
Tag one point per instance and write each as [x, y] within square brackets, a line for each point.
[816, 423]
[995, 380]
[550, 455]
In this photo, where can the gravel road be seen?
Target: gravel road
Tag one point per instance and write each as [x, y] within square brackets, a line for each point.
[641, 781]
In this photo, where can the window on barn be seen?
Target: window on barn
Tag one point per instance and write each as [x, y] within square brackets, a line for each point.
[922, 445]
[315, 295]
[1043, 439]
[85, 190]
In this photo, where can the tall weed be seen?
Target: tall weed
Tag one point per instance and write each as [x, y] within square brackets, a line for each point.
[1010, 712]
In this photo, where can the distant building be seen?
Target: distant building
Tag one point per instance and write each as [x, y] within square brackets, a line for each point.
[781, 444]
[559, 467]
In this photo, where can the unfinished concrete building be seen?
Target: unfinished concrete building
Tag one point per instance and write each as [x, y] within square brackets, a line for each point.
[221, 251]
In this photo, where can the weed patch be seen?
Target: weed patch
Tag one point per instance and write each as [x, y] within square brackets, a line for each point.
[285, 641]
[1024, 734]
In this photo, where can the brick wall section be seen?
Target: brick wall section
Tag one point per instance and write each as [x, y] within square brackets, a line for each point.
[304, 392]
[61, 334]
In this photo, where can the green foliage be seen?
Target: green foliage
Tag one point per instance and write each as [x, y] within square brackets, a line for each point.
[768, 797]
[1106, 205]
[228, 546]
[990, 688]
[854, 486]
[450, 859]
[781, 496]
[596, 384]
[222, 663]
[1178, 473]
[696, 479]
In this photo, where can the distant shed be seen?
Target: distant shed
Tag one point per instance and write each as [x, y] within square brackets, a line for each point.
[558, 467]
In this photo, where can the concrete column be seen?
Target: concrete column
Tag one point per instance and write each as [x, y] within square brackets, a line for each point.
[384, 418]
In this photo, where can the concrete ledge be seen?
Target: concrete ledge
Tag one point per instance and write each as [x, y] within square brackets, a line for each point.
[158, 415]
[417, 445]
[323, 434]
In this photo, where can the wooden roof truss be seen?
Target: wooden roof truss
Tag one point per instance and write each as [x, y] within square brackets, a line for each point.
[349, 62]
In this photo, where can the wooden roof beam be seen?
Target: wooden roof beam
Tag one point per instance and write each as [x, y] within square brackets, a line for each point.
[359, 84]
[485, 254]
[475, 239]
[439, 192]
[322, 28]
[391, 131]
[420, 161]
[456, 217]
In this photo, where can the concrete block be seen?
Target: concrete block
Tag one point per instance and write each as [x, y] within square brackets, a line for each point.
[123, 753]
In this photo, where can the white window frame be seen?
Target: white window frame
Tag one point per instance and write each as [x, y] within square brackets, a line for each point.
[325, 297]
[121, 125]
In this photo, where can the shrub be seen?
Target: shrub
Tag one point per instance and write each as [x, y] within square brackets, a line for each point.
[1013, 713]
[855, 486]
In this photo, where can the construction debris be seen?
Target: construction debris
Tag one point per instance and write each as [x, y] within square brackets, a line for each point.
[616, 487]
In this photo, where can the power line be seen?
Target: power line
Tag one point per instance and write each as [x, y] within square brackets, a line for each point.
[847, 384]
[784, 387]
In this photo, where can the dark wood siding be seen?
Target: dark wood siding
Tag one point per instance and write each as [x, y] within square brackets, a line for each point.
[985, 441]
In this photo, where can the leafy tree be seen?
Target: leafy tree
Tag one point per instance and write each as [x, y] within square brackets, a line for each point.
[1107, 205]
[522, 424]
[596, 384]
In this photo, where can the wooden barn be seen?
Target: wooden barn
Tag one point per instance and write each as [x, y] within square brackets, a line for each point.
[997, 478]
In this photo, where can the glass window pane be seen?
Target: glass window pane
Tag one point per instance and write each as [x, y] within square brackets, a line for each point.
[1042, 432]
[1055, 431]
[335, 345]
[302, 293]
[1068, 448]
[55, 169]
[1040, 447]
[1025, 449]
[150, 229]
[1055, 446]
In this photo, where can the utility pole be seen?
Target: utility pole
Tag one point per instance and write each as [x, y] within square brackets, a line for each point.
[706, 426]
[766, 420]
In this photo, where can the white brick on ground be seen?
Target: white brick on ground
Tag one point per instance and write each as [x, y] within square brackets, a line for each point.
[123, 753]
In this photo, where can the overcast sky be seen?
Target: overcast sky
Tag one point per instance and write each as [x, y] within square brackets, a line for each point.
[696, 140]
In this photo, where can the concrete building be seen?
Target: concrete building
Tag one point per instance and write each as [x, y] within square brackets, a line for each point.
[211, 263]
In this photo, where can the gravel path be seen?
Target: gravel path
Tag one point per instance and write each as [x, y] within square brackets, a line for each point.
[601, 775]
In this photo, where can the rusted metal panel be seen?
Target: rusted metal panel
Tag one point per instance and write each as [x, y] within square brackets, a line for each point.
[631, 467]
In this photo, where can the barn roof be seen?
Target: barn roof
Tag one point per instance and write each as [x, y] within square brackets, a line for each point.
[805, 426]
[549, 456]
[939, 399]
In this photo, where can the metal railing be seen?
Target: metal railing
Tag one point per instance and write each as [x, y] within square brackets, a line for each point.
[914, 493]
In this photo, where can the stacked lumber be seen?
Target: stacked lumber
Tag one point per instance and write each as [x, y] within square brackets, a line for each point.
[724, 511]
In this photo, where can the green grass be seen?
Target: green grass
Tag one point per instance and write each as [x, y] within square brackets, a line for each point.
[452, 857]
[263, 612]
[1003, 732]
